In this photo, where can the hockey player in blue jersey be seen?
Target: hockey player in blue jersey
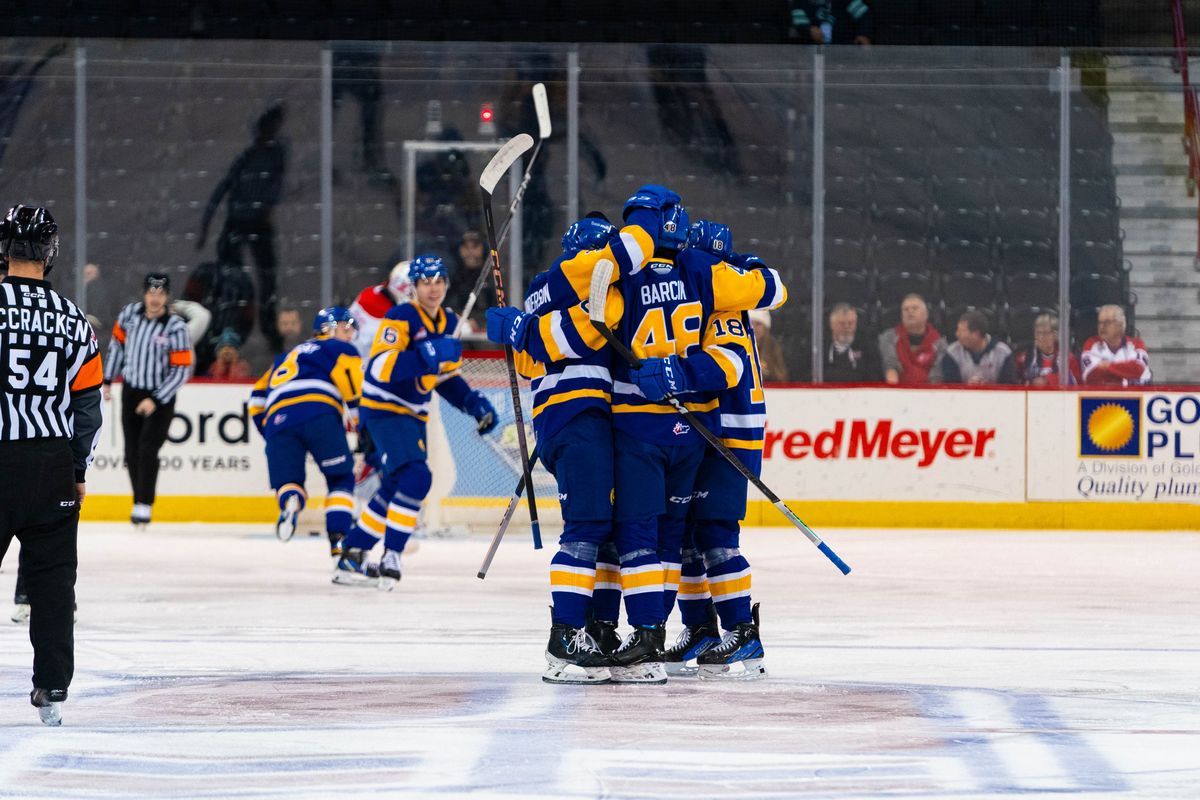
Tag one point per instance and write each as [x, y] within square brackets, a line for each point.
[715, 578]
[659, 311]
[415, 353]
[299, 406]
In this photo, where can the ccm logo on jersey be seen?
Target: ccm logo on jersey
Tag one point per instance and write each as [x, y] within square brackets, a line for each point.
[880, 439]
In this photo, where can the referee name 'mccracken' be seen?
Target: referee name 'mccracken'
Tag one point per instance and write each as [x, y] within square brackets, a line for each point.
[45, 321]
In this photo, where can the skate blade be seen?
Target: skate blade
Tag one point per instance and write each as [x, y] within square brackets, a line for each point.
[285, 530]
[565, 673]
[749, 670]
[51, 715]
[651, 673]
[682, 669]
[344, 578]
[20, 613]
[387, 584]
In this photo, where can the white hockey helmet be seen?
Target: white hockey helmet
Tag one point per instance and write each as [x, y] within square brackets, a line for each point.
[399, 285]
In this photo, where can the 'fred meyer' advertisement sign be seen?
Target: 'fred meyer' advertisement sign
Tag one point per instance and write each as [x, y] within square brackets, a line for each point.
[1115, 447]
[894, 444]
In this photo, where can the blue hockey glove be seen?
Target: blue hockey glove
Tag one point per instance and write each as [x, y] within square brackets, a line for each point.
[659, 377]
[650, 196]
[711, 237]
[509, 325]
[435, 352]
[747, 261]
[483, 411]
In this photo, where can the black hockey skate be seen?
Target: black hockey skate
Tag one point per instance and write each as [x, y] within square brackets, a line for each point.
[352, 569]
[639, 659]
[573, 657]
[389, 570]
[604, 634]
[693, 640]
[335, 545]
[739, 656]
[49, 705]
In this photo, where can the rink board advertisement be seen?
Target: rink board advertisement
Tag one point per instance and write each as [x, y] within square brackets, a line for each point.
[1119, 447]
[839, 456]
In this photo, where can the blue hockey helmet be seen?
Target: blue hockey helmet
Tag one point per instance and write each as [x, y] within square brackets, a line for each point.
[428, 266]
[711, 237]
[328, 318]
[590, 233]
[675, 227]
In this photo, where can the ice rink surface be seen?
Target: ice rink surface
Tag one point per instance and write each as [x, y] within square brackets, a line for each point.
[213, 661]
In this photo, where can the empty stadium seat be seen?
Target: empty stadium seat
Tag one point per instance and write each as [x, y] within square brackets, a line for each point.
[967, 289]
[899, 255]
[1023, 288]
[962, 255]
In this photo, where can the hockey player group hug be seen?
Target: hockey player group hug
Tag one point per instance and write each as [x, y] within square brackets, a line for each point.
[651, 511]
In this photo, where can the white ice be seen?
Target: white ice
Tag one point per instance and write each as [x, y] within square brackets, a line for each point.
[213, 661]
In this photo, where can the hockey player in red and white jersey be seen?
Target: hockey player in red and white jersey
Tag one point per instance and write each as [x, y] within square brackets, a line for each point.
[1111, 358]
[374, 302]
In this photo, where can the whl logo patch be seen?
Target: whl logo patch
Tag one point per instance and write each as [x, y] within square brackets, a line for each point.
[1110, 427]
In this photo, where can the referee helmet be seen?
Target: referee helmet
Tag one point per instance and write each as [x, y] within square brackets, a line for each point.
[29, 233]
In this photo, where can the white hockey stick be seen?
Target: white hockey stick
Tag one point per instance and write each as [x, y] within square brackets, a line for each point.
[500, 164]
[542, 107]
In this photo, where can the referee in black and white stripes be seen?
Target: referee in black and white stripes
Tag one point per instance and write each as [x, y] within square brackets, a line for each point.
[50, 419]
[151, 350]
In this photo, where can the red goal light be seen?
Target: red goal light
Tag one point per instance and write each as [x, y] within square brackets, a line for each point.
[485, 114]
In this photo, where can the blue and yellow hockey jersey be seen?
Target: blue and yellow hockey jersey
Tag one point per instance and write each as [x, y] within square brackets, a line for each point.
[397, 380]
[743, 406]
[664, 310]
[316, 377]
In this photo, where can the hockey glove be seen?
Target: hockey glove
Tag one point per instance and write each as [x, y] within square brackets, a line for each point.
[509, 325]
[711, 237]
[652, 197]
[483, 411]
[747, 261]
[435, 352]
[659, 377]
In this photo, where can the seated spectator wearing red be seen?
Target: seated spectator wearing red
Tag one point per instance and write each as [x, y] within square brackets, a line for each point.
[911, 353]
[1111, 358]
[1038, 364]
[848, 359]
[977, 358]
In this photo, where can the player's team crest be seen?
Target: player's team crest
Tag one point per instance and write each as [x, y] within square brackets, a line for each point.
[680, 429]
[1110, 427]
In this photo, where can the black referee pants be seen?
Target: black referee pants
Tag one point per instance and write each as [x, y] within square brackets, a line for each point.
[38, 507]
[144, 437]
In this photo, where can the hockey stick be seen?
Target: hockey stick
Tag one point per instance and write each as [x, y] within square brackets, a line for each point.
[542, 107]
[513, 502]
[597, 296]
[500, 163]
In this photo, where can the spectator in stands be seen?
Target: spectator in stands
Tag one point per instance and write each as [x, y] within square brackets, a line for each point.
[832, 22]
[290, 328]
[99, 298]
[911, 353]
[254, 184]
[447, 198]
[229, 364]
[849, 359]
[977, 358]
[226, 291]
[1038, 364]
[356, 73]
[770, 355]
[1111, 358]
[469, 258]
[197, 317]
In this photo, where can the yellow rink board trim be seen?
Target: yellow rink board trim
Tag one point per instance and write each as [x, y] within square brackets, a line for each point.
[818, 514]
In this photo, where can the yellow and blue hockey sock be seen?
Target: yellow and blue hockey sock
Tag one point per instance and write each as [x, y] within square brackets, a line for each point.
[406, 490]
[694, 597]
[339, 504]
[371, 525]
[572, 576]
[287, 492]
[606, 593]
[642, 586]
[729, 584]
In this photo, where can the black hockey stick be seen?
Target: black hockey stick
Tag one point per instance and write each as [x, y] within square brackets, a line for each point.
[542, 107]
[597, 296]
[500, 163]
[513, 502]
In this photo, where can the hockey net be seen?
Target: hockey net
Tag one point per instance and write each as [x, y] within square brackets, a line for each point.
[474, 476]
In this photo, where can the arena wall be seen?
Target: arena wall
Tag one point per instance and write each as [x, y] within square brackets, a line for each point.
[842, 457]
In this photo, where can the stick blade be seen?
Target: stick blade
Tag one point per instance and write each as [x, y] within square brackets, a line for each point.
[508, 153]
[598, 290]
[542, 106]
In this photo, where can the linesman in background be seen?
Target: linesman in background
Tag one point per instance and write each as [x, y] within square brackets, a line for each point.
[49, 423]
[151, 349]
